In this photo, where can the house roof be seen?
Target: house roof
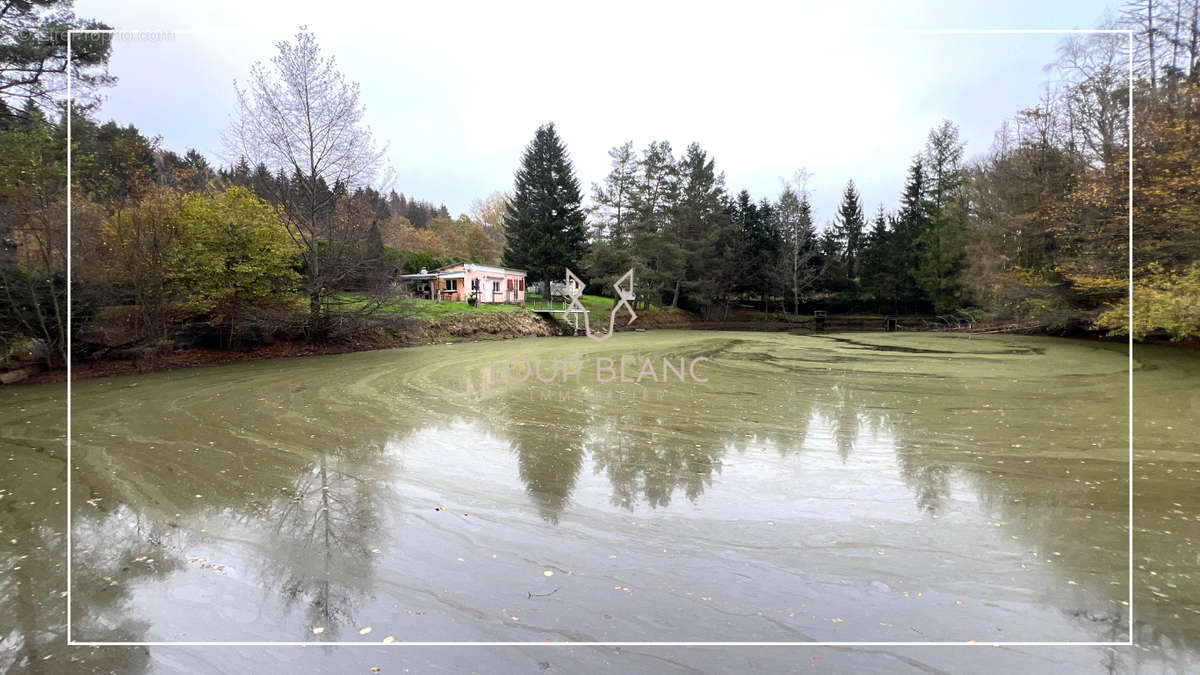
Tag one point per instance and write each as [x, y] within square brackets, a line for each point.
[482, 268]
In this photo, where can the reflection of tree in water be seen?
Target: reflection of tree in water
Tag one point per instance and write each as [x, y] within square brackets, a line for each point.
[1051, 515]
[645, 461]
[33, 554]
[324, 525]
[114, 549]
[547, 436]
[923, 470]
[647, 451]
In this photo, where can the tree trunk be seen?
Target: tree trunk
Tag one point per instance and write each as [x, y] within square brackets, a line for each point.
[1150, 41]
[314, 313]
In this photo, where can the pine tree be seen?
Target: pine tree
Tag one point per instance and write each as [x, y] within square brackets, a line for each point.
[940, 244]
[907, 228]
[544, 222]
[848, 228]
[609, 255]
[611, 210]
[240, 173]
[875, 270]
[723, 253]
[763, 246]
[656, 254]
[696, 217]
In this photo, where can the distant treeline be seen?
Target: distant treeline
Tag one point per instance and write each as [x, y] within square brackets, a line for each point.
[168, 248]
[1035, 230]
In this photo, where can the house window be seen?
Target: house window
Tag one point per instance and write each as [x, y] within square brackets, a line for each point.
[521, 285]
[495, 286]
[474, 284]
[451, 285]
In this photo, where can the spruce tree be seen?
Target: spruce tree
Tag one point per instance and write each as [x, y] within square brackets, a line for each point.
[696, 217]
[763, 246]
[910, 223]
[940, 244]
[875, 271]
[848, 229]
[544, 221]
[656, 254]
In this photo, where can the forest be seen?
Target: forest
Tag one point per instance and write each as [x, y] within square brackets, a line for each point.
[170, 250]
[1034, 231]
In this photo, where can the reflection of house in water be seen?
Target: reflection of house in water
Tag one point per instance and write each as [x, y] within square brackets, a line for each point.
[463, 281]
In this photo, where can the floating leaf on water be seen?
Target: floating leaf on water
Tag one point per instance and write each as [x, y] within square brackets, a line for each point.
[548, 573]
[364, 631]
[318, 630]
[388, 640]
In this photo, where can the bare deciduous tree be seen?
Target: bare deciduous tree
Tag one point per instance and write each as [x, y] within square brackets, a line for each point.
[1095, 75]
[300, 114]
[795, 219]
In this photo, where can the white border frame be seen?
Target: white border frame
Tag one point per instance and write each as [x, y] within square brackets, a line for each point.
[969, 643]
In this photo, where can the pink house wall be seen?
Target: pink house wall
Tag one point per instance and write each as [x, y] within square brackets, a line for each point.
[495, 284]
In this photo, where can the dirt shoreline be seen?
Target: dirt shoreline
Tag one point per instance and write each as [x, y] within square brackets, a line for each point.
[458, 332]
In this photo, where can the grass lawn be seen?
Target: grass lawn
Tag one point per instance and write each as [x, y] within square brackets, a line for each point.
[420, 309]
[599, 306]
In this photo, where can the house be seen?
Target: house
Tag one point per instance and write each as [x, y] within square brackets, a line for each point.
[464, 281]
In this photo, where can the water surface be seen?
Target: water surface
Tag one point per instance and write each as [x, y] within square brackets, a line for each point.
[856, 487]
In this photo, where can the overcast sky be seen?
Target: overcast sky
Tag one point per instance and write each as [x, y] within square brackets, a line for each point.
[456, 90]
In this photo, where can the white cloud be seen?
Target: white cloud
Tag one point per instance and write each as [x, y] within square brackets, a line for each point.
[458, 89]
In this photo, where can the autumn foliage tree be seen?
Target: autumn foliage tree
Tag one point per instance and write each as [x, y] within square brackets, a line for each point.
[231, 253]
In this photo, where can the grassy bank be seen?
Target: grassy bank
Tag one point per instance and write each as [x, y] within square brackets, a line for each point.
[424, 310]
[363, 324]
[599, 307]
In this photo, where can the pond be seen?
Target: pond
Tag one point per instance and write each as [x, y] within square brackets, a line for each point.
[794, 488]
